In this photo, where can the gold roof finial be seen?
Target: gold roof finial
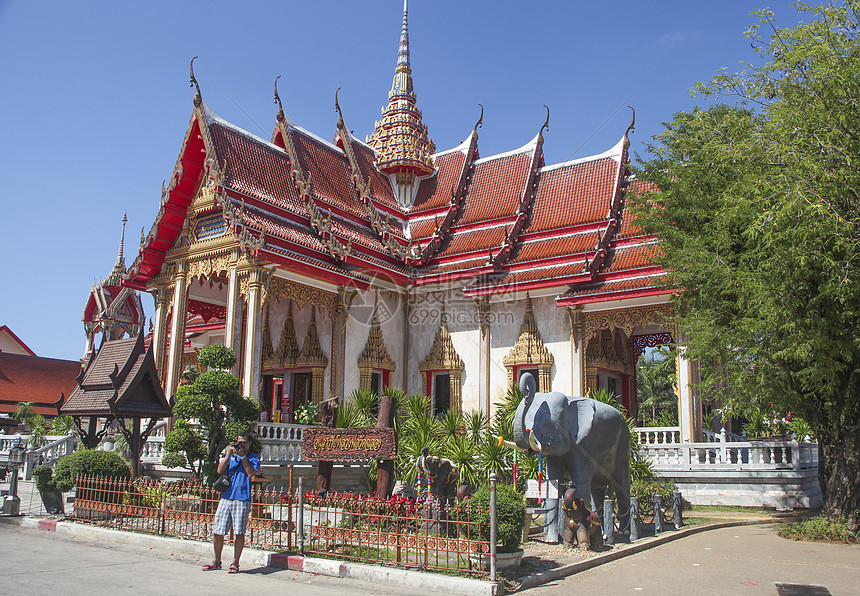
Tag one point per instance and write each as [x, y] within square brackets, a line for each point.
[340, 123]
[479, 123]
[198, 97]
[545, 125]
[280, 115]
[632, 126]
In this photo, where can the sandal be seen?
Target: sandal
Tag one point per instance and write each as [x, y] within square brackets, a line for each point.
[234, 568]
[213, 566]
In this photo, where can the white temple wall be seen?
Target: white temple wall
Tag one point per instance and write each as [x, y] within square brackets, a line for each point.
[391, 322]
[278, 308]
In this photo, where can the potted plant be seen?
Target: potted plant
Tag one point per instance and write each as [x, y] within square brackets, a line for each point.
[510, 518]
[52, 498]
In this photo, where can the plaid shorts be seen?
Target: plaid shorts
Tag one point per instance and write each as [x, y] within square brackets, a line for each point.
[231, 513]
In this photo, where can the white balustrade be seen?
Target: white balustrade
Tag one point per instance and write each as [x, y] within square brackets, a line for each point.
[734, 455]
[653, 435]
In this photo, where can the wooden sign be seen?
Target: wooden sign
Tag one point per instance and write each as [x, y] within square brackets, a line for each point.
[348, 444]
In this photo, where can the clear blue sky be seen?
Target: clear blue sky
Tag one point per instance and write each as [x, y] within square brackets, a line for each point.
[96, 101]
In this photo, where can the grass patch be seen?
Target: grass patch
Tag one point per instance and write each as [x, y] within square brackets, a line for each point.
[821, 529]
[730, 509]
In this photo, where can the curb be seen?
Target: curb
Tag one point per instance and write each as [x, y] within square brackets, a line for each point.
[374, 574]
[646, 544]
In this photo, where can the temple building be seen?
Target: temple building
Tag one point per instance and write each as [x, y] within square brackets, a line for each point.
[331, 266]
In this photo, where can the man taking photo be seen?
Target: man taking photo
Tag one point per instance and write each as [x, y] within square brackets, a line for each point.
[241, 466]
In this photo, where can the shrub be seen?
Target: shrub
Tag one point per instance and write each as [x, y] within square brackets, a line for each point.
[44, 479]
[88, 461]
[828, 529]
[510, 514]
[645, 490]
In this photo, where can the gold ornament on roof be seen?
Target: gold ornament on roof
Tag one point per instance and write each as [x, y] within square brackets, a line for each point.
[401, 139]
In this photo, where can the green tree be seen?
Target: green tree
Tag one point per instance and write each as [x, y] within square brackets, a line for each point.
[211, 412]
[757, 206]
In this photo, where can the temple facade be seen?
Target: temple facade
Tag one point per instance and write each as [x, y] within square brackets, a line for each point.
[331, 266]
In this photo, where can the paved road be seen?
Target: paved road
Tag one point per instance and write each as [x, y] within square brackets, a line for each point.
[43, 563]
[745, 560]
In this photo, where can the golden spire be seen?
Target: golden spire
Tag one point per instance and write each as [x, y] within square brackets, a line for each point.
[116, 274]
[402, 143]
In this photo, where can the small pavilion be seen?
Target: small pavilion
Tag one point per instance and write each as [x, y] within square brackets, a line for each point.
[119, 384]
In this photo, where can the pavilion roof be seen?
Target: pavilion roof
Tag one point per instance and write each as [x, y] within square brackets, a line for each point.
[120, 379]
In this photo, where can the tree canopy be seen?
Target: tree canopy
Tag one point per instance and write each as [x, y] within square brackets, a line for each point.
[210, 412]
[756, 202]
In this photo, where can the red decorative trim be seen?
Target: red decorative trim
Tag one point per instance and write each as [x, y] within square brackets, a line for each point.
[207, 310]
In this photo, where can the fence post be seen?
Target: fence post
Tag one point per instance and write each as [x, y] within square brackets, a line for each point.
[300, 519]
[493, 527]
[634, 519]
[658, 513]
[677, 505]
[608, 521]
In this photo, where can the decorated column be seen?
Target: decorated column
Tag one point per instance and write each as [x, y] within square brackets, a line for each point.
[234, 307]
[578, 343]
[159, 325]
[253, 334]
[688, 417]
[177, 327]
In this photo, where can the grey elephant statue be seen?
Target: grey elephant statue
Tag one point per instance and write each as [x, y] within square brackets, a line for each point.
[578, 436]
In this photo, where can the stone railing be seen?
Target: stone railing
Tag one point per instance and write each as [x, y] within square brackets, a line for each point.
[56, 447]
[733, 455]
[653, 435]
[282, 445]
[709, 436]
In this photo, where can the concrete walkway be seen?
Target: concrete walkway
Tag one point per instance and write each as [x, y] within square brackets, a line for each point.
[543, 564]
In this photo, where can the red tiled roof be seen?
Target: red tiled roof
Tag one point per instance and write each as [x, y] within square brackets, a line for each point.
[573, 195]
[637, 256]
[328, 170]
[538, 274]
[284, 229]
[496, 188]
[424, 229]
[471, 240]
[35, 379]
[435, 191]
[615, 286]
[546, 248]
[380, 187]
[437, 268]
[256, 168]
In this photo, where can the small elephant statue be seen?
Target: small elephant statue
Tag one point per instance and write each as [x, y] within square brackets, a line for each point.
[584, 438]
[443, 474]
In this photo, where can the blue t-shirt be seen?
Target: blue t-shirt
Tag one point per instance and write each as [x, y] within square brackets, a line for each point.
[240, 482]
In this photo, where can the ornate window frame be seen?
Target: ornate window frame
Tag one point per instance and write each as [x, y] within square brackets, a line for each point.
[443, 358]
[375, 358]
[529, 351]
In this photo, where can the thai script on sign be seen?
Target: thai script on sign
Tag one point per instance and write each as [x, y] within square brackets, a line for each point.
[348, 444]
[356, 443]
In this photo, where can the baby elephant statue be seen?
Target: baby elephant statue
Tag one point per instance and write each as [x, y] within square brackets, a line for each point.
[442, 473]
[587, 440]
[583, 526]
